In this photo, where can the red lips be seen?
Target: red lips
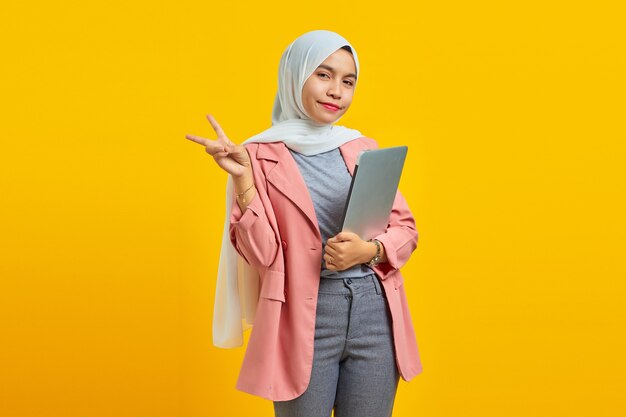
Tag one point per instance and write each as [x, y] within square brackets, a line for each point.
[334, 106]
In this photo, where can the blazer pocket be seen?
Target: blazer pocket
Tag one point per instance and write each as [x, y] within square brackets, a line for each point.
[273, 286]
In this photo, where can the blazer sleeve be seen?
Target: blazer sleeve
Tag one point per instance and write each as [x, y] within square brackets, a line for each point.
[250, 232]
[400, 238]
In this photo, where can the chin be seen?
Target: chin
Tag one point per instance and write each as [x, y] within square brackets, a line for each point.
[328, 120]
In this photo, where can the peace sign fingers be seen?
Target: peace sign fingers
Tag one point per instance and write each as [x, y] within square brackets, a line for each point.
[233, 158]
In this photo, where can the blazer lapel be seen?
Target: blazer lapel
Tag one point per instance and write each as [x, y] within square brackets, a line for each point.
[349, 151]
[286, 177]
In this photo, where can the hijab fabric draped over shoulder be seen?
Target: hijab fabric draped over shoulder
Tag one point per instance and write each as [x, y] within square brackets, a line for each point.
[237, 287]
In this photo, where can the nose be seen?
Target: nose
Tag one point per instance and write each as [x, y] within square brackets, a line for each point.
[334, 89]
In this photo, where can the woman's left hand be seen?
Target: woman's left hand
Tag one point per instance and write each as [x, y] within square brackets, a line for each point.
[346, 249]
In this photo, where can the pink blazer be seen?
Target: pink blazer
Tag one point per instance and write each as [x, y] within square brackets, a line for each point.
[278, 234]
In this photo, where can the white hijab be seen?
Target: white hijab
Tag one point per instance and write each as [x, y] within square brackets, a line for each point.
[237, 289]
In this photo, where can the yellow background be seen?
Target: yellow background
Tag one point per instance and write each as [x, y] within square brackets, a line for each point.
[111, 220]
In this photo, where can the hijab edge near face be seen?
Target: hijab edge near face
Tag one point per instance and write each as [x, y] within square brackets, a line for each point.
[290, 124]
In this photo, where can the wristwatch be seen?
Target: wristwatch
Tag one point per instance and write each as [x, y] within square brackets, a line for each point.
[376, 259]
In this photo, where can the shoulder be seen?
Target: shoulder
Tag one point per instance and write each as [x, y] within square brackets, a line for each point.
[257, 146]
[258, 149]
[364, 142]
[272, 151]
[252, 147]
[369, 142]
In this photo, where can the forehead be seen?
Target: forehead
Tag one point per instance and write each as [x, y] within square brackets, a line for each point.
[341, 62]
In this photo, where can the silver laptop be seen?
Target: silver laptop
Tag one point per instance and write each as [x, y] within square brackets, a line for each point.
[373, 190]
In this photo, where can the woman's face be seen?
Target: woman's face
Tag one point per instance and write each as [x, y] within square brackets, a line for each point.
[332, 82]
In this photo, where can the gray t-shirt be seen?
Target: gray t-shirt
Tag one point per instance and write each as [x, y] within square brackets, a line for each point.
[328, 180]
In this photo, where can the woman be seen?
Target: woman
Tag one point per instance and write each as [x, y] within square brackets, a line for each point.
[332, 328]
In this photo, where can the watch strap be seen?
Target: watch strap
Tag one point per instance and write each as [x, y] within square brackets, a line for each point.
[376, 259]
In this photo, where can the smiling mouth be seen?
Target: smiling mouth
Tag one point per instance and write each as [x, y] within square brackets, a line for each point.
[330, 107]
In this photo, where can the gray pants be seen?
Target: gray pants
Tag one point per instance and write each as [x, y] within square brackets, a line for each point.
[354, 365]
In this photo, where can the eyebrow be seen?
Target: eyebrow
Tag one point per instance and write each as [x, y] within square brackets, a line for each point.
[331, 69]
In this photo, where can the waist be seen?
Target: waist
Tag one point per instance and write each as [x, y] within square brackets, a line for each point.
[349, 285]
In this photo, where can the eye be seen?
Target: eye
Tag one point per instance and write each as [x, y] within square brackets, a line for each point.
[350, 83]
[322, 73]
